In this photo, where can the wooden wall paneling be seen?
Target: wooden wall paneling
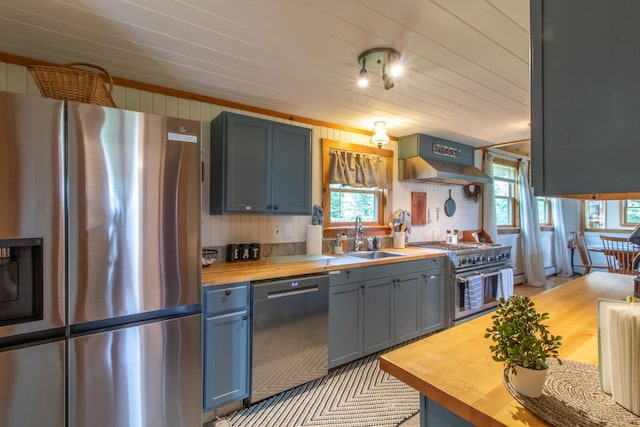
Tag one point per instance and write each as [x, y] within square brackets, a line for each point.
[216, 230]
[158, 104]
[17, 79]
[145, 101]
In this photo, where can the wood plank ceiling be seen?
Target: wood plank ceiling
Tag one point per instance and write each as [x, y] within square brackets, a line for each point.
[466, 78]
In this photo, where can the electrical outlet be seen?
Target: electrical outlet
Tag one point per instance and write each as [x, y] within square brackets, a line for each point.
[288, 231]
[277, 232]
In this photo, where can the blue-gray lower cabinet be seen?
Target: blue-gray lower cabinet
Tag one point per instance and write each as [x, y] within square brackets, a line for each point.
[391, 301]
[346, 311]
[226, 341]
[378, 315]
[392, 311]
[407, 307]
[433, 301]
[373, 308]
[346, 308]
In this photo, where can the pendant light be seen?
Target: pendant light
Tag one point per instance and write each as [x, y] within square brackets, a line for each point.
[380, 136]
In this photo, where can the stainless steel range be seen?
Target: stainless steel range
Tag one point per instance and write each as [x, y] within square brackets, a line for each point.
[479, 274]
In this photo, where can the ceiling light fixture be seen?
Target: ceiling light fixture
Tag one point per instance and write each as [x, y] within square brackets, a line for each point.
[363, 79]
[380, 136]
[385, 59]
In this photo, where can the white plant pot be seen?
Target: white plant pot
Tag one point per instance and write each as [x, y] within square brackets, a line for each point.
[528, 382]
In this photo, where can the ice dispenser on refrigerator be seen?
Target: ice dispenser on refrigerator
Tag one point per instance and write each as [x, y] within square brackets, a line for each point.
[32, 309]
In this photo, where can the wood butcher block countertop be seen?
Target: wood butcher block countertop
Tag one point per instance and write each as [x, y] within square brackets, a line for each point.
[454, 367]
[232, 272]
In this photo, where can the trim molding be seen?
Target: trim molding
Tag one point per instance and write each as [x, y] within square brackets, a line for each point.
[24, 61]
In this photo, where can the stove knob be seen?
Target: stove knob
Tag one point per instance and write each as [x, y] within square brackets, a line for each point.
[463, 261]
[489, 258]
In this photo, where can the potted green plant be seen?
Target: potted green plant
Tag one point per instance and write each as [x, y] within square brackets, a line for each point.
[523, 343]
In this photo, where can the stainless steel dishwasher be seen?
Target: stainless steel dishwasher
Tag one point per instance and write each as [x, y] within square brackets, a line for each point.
[290, 333]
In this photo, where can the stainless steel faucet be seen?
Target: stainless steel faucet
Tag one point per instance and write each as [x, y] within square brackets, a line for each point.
[357, 241]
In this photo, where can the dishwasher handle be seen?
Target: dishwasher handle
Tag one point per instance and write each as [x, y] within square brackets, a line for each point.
[291, 292]
[289, 287]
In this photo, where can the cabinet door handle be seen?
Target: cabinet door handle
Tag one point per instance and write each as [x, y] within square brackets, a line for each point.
[275, 207]
[227, 292]
[269, 206]
[361, 286]
[244, 317]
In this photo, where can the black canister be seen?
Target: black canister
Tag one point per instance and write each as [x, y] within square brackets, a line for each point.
[245, 251]
[233, 253]
[255, 251]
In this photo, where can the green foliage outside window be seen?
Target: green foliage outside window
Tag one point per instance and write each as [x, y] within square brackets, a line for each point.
[504, 192]
[632, 212]
[503, 212]
[348, 202]
[544, 207]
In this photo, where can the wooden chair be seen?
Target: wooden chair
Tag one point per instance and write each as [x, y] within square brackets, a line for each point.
[619, 252]
[581, 245]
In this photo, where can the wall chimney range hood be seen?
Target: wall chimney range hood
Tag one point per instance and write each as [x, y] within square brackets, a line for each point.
[426, 158]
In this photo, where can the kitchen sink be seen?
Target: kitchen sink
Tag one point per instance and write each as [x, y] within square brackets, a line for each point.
[374, 254]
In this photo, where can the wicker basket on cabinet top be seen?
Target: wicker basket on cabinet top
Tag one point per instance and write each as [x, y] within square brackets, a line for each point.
[69, 83]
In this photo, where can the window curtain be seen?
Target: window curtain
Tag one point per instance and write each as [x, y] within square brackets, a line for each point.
[530, 230]
[560, 240]
[488, 200]
[358, 169]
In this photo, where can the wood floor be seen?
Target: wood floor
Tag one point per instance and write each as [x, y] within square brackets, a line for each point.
[528, 290]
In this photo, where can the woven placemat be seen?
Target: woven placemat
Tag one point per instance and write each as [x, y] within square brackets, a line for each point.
[572, 397]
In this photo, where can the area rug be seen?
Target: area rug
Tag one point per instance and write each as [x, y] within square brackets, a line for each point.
[358, 394]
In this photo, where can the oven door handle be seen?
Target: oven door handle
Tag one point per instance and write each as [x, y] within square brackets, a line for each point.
[482, 275]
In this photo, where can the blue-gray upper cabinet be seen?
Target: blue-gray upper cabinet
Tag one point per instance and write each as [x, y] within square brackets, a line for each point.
[585, 97]
[259, 166]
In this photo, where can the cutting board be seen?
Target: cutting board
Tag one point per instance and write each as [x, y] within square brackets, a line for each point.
[418, 208]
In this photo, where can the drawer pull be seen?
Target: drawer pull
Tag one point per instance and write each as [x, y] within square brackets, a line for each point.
[227, 292]
[244, 317]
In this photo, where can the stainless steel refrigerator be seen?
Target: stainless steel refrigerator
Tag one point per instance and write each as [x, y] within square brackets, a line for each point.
[131, 265]
[32, 309]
